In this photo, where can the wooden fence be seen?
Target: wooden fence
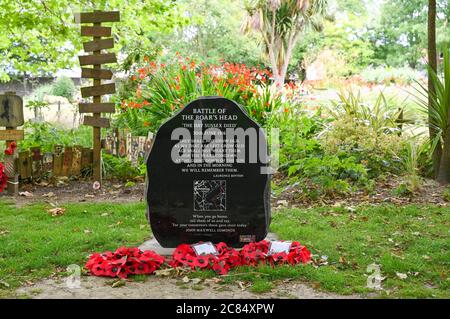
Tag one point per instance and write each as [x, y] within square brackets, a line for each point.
[67, 161]
[76, 161]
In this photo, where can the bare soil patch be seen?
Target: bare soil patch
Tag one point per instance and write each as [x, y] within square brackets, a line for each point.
[165, 288]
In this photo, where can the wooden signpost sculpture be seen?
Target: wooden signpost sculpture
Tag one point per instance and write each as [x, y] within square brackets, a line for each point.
[11, 116]
[96, 59]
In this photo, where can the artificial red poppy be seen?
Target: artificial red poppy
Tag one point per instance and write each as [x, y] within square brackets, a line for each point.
[123, 262]
[11, 148]
[3, 178]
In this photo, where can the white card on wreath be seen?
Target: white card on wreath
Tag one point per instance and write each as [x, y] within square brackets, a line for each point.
[279, 247]
[205, 249]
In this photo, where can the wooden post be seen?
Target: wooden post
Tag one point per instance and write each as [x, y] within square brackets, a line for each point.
[97, 31]
[13, 177]
[97, 130]
[11, 117]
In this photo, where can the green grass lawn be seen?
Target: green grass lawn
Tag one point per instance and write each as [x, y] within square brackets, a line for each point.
[34, 244]
[411, 240]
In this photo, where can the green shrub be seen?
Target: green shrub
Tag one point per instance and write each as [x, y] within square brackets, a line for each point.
[47, 135]
[446, 194]
[369, 132]
[378, 152]
[121, 168]
[389, 75]
[330, 174]
[64, 87]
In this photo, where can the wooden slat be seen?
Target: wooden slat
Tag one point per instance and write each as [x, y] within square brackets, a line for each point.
[96, 74]
[11, 135]
[93, 17]
[95, 31]
[96, 108]
[98, 90]
[98, 45]
[97, 59]
[96, 121]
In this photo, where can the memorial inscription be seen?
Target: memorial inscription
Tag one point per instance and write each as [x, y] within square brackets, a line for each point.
[208, 176]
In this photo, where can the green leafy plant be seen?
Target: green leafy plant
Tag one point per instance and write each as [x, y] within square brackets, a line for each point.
[64, 87]
[155, 92]
[436, 105]
[120, 168]
[383, 115]
[46, 135]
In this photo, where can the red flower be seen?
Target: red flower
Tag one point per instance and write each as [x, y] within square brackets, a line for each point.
[3, 178]
[123, 262]
[11, 148]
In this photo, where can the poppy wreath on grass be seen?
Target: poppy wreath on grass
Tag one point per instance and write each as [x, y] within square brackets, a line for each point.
[185, 256]
[3, 178]
[253, 254]
[124, 262]
[132, 261]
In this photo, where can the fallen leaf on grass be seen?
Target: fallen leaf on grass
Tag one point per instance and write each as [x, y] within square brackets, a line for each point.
[243, 285]
[315, 285]
[185, 279]
[214, 280]
[50, 194]
[165, 272]
[118, 283]
[401, 275]
[26, 194]
[343, 261]
[57, 211]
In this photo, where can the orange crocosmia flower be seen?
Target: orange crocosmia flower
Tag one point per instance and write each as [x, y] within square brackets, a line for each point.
[146, 123]
[177, 87]
[286, 110]
[163, 101]
[177, 53]
[138, 92]
[133, 78]
[183, 67]
[193, 64]
[145, 103]
[163, 65]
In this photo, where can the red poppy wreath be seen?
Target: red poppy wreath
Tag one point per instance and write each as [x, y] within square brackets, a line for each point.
[226, 258]
[132, 261]
[123, 262]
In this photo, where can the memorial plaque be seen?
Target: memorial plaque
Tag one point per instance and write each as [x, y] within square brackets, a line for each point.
[11, 110]
[208, 176]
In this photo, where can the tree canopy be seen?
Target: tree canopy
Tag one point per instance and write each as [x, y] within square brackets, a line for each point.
[40, 37]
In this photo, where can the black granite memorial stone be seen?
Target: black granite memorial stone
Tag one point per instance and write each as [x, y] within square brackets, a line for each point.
[208, 176]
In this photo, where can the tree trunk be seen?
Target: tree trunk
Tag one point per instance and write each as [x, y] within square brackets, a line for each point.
[432, 61]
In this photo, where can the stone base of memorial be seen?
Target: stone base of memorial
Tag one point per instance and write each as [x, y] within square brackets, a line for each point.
[208, 177]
